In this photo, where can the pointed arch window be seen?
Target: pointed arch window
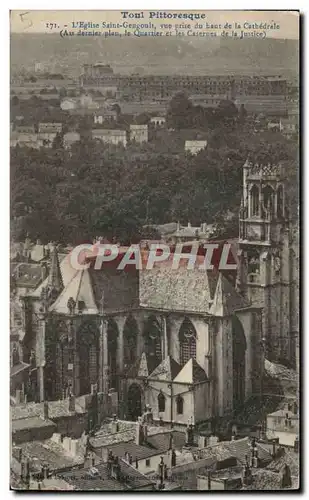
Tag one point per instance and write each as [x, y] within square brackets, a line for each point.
[15, 355]
[280, 201]
[88, 346]
[254, 198]
[153, 333]
[161, 402]
[61, 363]
[187, 341]
[130, 335]
[179, 405]
[268, 198]
[112, 342]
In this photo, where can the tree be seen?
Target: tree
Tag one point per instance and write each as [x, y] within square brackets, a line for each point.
[179, 113]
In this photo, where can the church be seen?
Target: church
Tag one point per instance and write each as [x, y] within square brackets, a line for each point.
[185, 342]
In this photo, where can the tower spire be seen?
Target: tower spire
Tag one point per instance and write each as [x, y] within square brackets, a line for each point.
[55, 277]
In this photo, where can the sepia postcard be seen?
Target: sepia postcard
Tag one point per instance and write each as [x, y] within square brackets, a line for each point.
[154, 250]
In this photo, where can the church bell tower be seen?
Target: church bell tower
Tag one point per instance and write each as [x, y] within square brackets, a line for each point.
[264, 274]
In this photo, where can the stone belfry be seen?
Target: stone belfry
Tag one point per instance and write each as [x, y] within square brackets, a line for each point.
[264, 273]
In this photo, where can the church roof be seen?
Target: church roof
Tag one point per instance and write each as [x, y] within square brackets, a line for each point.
[226, 299]
[167, 370]
[142, 367]
[67, 273]
[191, 373]
[80, 289]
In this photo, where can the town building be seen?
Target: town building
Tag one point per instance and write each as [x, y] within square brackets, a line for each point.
[194, 147]
[110, 136]
[283, 425]
[70, 138]
[143, 87]
[103, 115]
[158, 121]
[139, 133]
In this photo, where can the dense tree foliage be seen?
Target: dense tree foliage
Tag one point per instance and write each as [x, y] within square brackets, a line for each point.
[114, 191]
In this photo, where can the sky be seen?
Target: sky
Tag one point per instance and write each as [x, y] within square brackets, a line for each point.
[34, 21]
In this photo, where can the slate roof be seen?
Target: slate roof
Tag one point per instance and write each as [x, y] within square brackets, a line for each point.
[137, 451]
[289, 458]
[80, 289]
[67, 273]
[167, 370]
[191, 373]
[30, 423]
[241, 447]
[18, 368]
[98, 478]
[264, 480]
[27, 274]
[226, 299]
[56, 409]
[142, 367]
[126, 432]
[48, 453]
[162, 441]
[155, 444]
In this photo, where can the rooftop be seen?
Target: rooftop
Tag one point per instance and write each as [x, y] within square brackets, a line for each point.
[50, 454]
[56, 409]
[30, 423]
[154, 445]
[99, 478]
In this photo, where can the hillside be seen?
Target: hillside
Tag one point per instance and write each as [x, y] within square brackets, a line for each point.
[157, 55]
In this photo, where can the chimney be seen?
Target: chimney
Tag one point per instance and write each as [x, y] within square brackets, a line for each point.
[247, 477]
[189, 224]
[44, 271]
[190, 435]
[18, 396]
[148, 415]
[172, 458]
[46, 417]
[209, 480]
[202, 441]
[27, 473]
[161, 473]
[115, 425]
[274, 448]
[296, 444]
[45, 471]
[72, 403]
[139, 432]
[110, 459]
[286, 480]
[145, 432]
[115, 469]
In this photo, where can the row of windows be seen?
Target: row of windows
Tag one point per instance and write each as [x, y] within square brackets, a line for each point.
[268, 195]
[162, 404]
[89, 352]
